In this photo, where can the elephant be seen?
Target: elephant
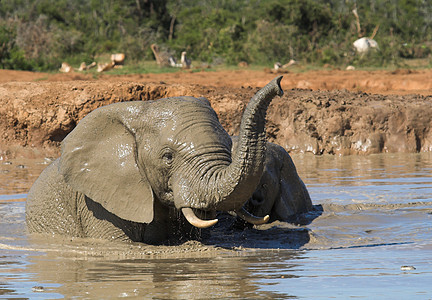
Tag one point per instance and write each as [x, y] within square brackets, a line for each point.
[281, 193]
[135, 171]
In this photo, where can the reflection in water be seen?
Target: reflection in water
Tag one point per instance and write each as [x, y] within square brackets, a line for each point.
[227, 276]
[379, 169]
[376, 218]
[373, 200]
[17, 176]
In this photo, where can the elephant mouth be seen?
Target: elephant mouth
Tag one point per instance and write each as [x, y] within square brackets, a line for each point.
[194, 220]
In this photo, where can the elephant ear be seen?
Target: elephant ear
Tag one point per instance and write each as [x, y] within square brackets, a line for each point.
[98, 159]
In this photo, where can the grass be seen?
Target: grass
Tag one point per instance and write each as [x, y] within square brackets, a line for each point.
[41, 79]
[142, 67]
[151, 67]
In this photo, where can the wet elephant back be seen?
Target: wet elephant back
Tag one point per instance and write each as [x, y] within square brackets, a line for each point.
[50, 207]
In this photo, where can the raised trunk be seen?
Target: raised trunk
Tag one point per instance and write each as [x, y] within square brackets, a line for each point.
[236, 183]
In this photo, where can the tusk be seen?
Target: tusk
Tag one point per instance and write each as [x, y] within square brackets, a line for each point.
[248, 217]
[195, 221]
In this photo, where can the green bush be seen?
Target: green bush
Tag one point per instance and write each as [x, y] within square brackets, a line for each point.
[40, 34]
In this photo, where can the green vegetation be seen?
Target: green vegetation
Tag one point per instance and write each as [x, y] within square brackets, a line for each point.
[40, 34]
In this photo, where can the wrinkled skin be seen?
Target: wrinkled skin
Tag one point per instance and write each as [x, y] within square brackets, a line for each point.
[128, 170]
[281, 193]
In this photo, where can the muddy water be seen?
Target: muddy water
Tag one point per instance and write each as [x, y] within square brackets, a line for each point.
[376, 217]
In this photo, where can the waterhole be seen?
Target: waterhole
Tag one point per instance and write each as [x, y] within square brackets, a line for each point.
[375, 220]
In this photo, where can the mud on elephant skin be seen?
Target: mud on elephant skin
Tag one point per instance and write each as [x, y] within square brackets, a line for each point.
[130, 171]
[281, 193]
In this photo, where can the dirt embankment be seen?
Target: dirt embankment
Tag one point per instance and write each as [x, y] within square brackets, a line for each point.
[342, 122]
[36, 116]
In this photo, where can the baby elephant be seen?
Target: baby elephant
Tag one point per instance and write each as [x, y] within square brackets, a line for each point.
[281, 193]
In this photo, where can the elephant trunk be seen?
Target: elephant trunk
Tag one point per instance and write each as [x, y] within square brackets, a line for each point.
[237, 182]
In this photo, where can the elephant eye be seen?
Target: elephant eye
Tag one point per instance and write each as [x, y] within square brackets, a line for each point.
[168, 156]
[265, 186]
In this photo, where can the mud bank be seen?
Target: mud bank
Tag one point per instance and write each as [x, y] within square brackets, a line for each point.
[36, 116]
[343, 122]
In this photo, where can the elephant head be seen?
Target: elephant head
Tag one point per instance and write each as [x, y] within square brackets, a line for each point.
[281, 193]
[127, 155]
